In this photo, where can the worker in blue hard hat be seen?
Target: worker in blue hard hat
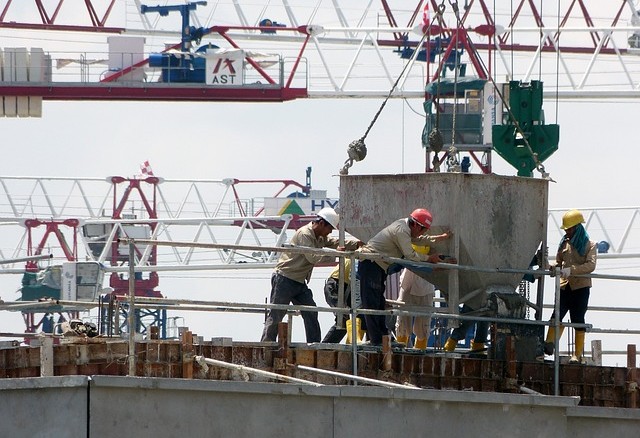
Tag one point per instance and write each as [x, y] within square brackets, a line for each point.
[576, 255]
[293, 272]
[393, 241]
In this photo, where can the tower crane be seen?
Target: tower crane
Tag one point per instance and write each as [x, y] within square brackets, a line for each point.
[302, 44]
[189, 33]
[140, 210]
[307, 59]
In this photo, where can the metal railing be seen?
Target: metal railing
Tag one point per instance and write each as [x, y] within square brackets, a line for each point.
[216, 306]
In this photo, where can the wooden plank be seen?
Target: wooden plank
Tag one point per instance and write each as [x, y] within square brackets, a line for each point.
[46, 357]
[632, 377]
[187, 355]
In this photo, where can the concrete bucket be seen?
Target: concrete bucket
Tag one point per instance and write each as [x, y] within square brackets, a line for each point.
[497, 221]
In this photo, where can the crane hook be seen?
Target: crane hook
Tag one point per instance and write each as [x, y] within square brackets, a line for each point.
[356, 151]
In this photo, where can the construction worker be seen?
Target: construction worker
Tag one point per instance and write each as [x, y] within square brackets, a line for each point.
[293, 272]
[335, 333]
[415, 291]
[394, 241]
[576, 255]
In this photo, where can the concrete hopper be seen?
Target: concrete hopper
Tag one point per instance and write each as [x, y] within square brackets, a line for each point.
[497, 221]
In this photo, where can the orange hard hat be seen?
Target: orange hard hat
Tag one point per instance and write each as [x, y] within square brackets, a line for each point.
[422, 216]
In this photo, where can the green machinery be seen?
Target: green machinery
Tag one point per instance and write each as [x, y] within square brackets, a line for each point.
[461, 109]
[464, 97]
[525, 101]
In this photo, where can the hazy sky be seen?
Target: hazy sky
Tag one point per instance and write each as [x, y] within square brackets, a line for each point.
[594, 167]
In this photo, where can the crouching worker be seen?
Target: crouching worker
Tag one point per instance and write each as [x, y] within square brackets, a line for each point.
[293, 272]
[459, 333]
[576, 255]
[416, 291]
[331, 288]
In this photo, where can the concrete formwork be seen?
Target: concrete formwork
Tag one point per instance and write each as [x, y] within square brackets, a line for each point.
[157, 407]
[497, 221]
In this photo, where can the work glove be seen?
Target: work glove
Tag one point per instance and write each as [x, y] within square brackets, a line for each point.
[565, 272]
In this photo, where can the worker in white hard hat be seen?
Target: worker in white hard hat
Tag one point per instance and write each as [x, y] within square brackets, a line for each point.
[576, 255]
[393, 241]
[293, 272]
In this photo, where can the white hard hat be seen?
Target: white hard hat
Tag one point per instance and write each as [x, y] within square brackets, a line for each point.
[330, 215]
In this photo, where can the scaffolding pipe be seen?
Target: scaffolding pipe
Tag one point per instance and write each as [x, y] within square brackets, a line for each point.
[258, 308]
[27, 305]
[222, 306]
[26, 259]
[556, 336]
[23, 335]
[131, 316]
[354, 378]
[203, 361]
[526, 390]
[361, 256]
[218, 306]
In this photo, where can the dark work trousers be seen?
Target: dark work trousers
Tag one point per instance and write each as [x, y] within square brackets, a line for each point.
[336, 334]
[372, 281]
[575, 302]
[285, 291]
[460, 332]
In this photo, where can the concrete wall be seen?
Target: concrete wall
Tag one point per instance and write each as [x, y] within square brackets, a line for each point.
[43, 407]
[150, 407]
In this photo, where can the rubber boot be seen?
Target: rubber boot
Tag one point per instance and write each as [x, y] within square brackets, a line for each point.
[450, 345]
[477, 346]
[403, 340]
[359, 331]
[421, 344]
[548, 343]
[577, 357]
[348, 327]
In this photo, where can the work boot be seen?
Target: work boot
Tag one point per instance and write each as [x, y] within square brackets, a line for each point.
[450, 345]
[549, 347]
[477, 346]
[403, 340]
[421, 344]
[577, 356]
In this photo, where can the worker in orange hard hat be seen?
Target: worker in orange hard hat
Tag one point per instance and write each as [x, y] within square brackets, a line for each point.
[576, 255]
[293, 272]
[393, 241]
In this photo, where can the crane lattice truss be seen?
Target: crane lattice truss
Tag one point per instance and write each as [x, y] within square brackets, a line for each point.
[197, 211]
[579, 48]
